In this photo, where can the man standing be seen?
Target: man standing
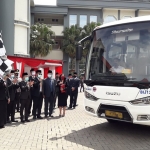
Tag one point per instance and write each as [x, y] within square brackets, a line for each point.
[68, 85]
[25, 96]
[31, 78]
[49, 86]
[4, 99]
[17, 97]
[12, 85]
[74, 84]
[57, 89]
[37, 102]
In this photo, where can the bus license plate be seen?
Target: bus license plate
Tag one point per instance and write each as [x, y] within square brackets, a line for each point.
[113, 114]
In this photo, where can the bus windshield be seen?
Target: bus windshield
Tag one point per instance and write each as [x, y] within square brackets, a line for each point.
[121, 49]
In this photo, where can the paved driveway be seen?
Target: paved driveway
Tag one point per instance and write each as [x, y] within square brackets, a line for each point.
[76, 131]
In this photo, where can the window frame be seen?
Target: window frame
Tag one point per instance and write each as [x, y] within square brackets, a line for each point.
[80, 20]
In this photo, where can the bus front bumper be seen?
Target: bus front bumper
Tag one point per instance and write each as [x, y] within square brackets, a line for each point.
[118, 110]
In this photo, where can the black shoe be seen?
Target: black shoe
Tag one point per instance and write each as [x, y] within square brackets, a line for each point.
[69, 107]
[45, 116]
[8, 121]
[22, 121]
[74, 107]
[51, 116]
[14, 120]
[39, 117]
[27, 120]
[34, 117]
[2, 127]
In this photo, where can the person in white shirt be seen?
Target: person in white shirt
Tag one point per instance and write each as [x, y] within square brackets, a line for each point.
[117, 68]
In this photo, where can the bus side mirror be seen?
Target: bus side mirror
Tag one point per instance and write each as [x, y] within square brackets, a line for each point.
[79, 50]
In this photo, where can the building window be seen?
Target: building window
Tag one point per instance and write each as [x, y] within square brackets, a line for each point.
[83, 20]
[109, 19]
[54, 20]
[93, 19]
[126, 17]
[39, 19]
[73, 20]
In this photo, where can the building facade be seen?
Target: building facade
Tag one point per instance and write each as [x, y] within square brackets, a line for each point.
[16, 16]
[81, 12]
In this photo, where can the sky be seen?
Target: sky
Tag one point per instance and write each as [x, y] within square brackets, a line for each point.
[45, 2]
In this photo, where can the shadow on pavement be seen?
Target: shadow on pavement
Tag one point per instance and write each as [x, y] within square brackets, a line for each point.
[120, 136]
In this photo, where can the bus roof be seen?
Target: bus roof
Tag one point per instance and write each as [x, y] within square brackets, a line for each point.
[124, 21]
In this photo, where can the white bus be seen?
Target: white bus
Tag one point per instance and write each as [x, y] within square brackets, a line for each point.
[118, 71]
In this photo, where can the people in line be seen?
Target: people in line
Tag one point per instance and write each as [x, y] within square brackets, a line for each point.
[12, 85]
[68, 85]
[82, 84]
[62, 96]
[36, 93]
[33, 87]
[25, 96]
[17, 96]
[74, 85]
[57, 88]
[4, 100]
[31, 78]
[49, 85]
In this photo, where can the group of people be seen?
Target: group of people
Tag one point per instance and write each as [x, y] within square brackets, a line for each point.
[28, 92]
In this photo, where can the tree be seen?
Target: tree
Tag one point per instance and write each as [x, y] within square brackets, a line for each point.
[86, 31]
[41, 40]
[71, 36]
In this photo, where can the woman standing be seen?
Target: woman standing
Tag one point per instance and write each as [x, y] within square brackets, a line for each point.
[62, 97]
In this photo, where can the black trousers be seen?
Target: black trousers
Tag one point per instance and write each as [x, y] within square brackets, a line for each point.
[17, 101]
[73, 99]
[55, 98]
[37, 105]
[49, 101]
[82, 86]
[3, 112]
[30, 106]
[11, 110]
[25, 103]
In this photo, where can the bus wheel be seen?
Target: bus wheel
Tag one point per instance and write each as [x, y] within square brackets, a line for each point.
[112, 121]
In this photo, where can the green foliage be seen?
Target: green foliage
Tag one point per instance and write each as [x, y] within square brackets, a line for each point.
[41, 40]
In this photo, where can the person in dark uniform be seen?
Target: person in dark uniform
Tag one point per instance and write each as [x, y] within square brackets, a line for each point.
[49, 85]
[35, 93]
[62, 97]
[4, 99]
[68, 85]
[17, 97]
[57, 89]
[82, 84]
[12, 85]
[31, 78]
[74, 85]
[25, 97]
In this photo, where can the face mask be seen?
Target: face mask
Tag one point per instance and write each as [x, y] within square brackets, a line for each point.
[39, 75]
[74, 76]
[12, 76]
[49, 75]
[26, 78]
[33, 73]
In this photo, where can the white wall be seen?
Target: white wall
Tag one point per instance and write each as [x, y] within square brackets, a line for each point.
[21, 34]
[108, 12]
[144, 12]
[21, 8]
[53, 55]
[124, 13]
[20, 40]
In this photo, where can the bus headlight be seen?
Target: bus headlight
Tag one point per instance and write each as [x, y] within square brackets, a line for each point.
[141, 101]
[90, 97]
